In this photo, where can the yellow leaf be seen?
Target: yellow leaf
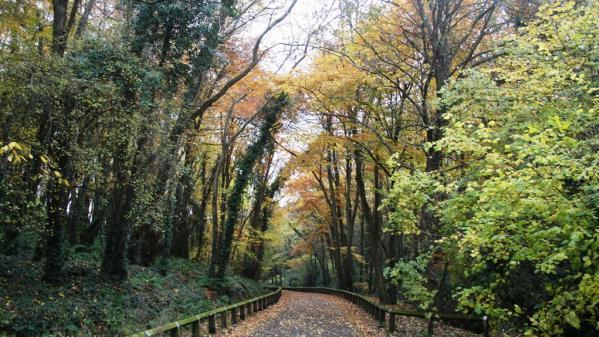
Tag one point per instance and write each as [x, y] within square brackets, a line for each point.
[13, 145]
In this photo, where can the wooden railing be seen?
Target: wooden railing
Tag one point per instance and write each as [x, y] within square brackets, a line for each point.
[384, 314]
[231, 313]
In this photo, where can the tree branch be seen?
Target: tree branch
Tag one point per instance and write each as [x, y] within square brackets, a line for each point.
[256, 57]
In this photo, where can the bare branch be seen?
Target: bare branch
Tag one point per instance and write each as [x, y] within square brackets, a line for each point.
[256, 57]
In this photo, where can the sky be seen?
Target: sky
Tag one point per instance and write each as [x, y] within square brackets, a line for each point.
[306, 18]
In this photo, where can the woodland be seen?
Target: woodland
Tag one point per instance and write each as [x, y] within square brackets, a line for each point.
[159, 158]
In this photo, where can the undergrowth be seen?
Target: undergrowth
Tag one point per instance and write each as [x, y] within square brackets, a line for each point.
[86, 304]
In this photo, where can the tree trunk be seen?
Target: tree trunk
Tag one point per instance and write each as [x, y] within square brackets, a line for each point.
[54, 245]
[114, 264]
[374, 227]
[350, 222]
[324, 266]
[215, 219]
[199, 223]
[82, 25]
[244, 170]
[58, 193]
[335, 232]
[79, 215]
[59, 27]
[258, 225]
[375, 232]
[182, 224]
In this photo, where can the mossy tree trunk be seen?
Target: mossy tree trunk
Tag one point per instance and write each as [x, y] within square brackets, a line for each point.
[244, 170]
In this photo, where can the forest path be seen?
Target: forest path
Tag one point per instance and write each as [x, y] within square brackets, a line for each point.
[299, 314]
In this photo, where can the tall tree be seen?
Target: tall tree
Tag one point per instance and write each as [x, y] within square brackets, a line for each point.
[244, 170]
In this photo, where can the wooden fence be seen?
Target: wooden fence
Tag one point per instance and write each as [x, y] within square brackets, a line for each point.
[384, 314]
[231, 313]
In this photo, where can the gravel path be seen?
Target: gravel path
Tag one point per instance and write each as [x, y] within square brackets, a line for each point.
[308, 315]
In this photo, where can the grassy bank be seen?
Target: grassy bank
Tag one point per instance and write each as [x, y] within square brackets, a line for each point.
[86, 304]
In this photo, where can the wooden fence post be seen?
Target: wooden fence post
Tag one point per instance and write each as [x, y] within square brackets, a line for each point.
[242, 313]
[212, 324]
[381, 317]
[223, 319]
[195, 328]
[233, 315]
[176, 332]
[486, 326]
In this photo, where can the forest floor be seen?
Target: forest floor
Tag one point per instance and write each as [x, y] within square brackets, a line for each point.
[318, 315]
[86, 304]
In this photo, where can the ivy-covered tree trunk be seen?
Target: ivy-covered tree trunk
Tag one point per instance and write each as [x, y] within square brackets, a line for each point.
[55, 232]
[125, 165]
[244, 170]
[114, 264]
[375, 232]
[59, 26]
[177, 227]
[57, 191]
[200, 211]
[251, 265]
[62, 129]
[214, 220]
[261, 213]
[184, 216]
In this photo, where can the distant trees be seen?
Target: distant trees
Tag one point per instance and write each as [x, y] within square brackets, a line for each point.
[379, 99]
